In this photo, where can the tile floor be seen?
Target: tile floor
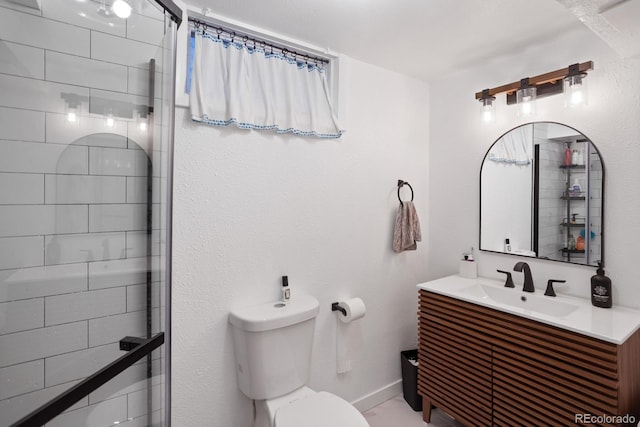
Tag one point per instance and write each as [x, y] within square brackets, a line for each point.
[397, 412]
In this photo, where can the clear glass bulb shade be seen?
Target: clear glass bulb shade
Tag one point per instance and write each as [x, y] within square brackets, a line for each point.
[526, 100]
[72, 114]
[487, 110]
[109, 119]
[142, 121]
[575, 91]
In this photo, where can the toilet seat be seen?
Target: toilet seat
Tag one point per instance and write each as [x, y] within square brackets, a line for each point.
[320, 409]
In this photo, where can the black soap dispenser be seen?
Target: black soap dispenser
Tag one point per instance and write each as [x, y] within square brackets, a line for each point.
[601, 289]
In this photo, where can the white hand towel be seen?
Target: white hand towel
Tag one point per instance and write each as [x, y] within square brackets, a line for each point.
[407, 228]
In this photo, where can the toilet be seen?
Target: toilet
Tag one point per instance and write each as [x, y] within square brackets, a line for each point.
[272, 344]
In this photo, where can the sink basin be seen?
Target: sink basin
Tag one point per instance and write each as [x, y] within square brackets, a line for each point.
[568, 312]
[520, 300]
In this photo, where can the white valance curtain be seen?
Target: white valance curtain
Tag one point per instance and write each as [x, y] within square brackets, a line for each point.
[253, 88]
[514, 147]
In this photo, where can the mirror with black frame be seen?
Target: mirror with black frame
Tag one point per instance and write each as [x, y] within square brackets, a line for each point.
[542, 195]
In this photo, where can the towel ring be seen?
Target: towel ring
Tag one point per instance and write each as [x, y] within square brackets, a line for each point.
[401, 183]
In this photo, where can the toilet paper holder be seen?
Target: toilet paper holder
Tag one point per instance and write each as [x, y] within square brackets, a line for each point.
[336, 307]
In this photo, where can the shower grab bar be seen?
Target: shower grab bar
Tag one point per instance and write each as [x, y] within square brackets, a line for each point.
[63, 401]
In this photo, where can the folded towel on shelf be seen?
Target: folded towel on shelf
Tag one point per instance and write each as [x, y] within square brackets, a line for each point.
[407, 228]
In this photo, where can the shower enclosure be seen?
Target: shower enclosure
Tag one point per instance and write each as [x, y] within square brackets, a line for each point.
[86, 135]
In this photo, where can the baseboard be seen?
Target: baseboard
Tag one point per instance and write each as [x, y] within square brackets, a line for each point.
[377, 397]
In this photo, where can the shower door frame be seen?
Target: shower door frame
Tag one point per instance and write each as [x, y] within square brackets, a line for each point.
[136, 348]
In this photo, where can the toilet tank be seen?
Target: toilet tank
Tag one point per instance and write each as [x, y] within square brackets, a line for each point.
[272, 344]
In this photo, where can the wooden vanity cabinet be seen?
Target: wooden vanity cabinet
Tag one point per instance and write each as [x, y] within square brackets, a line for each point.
[485, 367]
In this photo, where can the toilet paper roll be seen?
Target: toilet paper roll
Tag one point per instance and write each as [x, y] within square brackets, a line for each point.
[355, 309]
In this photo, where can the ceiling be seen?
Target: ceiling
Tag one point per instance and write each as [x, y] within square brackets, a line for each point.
[421, 38]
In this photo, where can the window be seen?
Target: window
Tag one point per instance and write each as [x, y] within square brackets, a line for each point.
[236, 79]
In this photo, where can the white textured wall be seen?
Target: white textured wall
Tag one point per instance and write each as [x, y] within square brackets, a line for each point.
[458, 141]
[250, 207]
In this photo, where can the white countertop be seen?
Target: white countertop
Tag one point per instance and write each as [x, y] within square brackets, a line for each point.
[614, 324]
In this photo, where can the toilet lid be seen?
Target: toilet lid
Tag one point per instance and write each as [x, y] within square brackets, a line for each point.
[320, 409]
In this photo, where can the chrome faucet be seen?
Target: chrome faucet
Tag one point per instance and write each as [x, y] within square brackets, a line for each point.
[528, 279]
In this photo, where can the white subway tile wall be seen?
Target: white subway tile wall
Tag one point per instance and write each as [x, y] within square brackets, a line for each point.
[58, 131]
[76, 365]
[21, 315]
[19, 252]
[76, 70]
[98, 414]
[73, 242]
[38, 95]
[24, 283]
[21, 124]
[43, 342]
[16, 407]
[21, 378]
[31, 189]
[29, 60]
[53, 35]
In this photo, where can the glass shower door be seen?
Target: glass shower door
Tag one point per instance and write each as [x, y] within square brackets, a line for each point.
[86, 116]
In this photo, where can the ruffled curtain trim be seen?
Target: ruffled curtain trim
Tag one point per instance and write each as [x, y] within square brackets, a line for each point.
[235, 83]
[513, 148]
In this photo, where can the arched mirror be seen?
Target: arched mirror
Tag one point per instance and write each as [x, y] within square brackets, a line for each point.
[542, 195]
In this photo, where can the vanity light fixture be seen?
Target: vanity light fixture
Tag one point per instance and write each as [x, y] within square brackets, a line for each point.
[72, 107]
[488, 109]
[575, 88]
[526, 91]
[72, 114]
[526, 98]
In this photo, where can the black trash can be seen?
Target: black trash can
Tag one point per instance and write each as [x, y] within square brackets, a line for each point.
[409, 360]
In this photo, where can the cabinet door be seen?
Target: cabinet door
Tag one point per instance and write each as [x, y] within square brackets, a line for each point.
[454, 373]
[533, 387]
[544, 375]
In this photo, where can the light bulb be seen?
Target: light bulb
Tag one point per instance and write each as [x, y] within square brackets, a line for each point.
[488, 112]
[121, 8]
[487, 116]
[142, 122]
[526, 106]
[72, 114]
[487, 109]
[576, 97]
[575, 91]
[526, 99]
[72, 117]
